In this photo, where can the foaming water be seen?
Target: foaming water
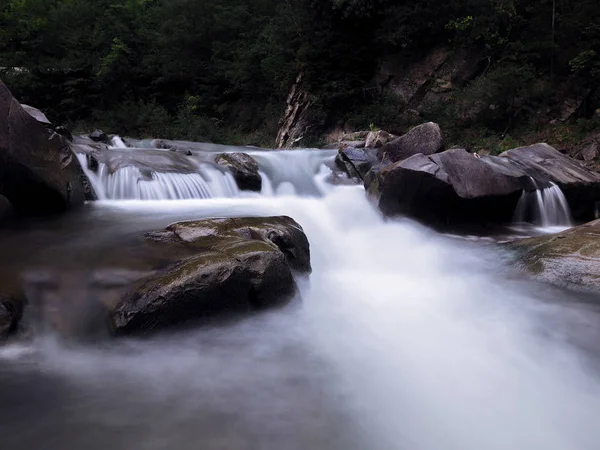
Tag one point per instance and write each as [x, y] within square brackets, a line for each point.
[404, 340]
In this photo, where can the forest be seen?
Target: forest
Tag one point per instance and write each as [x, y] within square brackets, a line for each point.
[221, 70]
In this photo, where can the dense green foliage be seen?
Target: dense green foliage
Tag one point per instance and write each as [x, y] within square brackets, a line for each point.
[221, 69]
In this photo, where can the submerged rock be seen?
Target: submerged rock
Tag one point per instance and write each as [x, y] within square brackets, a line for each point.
[244, 169]
[38, 172]
[570, 259]
[426, 139]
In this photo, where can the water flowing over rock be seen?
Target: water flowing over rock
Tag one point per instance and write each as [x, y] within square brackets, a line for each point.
[569, 259]
[244, 169]
[426, 139]
[455, 187]
[38, 172]
[450, 188]
[545, 164]
[544, 207]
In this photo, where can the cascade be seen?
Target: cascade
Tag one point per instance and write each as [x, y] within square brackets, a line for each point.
[297, 172]
[117, 142]
[545, 207]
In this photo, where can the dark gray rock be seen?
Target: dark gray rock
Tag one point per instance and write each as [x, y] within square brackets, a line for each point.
[356, 162]
[453, 188]
[38, 172]
[244, 169]
[99, 136]
[426, 139]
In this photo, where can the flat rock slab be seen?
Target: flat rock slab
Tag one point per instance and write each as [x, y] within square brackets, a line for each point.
[570, 259]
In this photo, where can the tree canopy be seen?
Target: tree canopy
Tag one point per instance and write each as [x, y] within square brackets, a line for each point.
[217, 69]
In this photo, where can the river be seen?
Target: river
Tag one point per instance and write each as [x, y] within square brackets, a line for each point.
[403, 338]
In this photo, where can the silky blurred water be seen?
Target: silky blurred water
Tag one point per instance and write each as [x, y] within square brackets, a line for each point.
[402, 339]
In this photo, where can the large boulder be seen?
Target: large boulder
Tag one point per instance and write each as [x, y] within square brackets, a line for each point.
[197, 270]
[447, 189]
[570, 259]
[426, 139]
[455, 187]
[244, 169]
[38, 172]
[36, 114]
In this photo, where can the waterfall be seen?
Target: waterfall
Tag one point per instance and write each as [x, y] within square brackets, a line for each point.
[297, 172]
[546, 207]
[117, 142]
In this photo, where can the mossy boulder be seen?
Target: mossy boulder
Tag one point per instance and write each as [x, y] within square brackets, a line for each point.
[197, 270]
[236, 266]
[570, 259]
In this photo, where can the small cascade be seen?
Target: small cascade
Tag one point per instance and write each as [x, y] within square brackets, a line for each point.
[129, 183]
[546, 207]
[117, 142]
[142, 174]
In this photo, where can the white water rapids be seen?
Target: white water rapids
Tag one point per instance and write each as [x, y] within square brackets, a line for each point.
[405, 339]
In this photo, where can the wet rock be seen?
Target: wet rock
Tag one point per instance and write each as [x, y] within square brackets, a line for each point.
[36, 114]
[356, 162]
[570, 259]
[244, 169]
[99, 136]
[234, 266]
[426, 139]
[38, 171]
[452, 188]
